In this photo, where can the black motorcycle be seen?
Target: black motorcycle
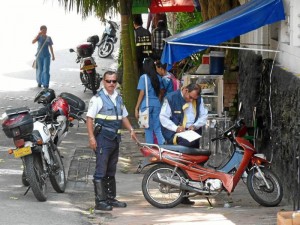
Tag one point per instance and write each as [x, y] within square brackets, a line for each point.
[109, 38]
[88, 75]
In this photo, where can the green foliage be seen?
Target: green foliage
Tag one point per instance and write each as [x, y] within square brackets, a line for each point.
[185, 21]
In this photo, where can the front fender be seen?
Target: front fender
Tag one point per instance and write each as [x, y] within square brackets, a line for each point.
[260, 160]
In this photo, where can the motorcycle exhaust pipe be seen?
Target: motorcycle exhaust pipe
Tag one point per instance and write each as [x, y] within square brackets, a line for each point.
[177, 184]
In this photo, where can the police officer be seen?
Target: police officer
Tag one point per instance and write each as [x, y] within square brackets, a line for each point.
[142, 42]
[108, 112]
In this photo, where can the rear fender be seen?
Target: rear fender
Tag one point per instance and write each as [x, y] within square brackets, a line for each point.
[145, 163]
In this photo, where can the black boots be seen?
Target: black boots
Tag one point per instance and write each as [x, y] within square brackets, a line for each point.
[100, 196]
[111, 193]
[187, 201]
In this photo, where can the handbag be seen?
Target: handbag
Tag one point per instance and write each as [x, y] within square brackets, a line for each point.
[34, 64]
[144, 116]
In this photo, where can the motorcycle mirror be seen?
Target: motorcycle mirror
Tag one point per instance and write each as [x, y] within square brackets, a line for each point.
[71, 50]
[38, 95]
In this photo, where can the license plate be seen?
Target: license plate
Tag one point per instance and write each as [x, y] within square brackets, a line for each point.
[22, 152]
[88, 67]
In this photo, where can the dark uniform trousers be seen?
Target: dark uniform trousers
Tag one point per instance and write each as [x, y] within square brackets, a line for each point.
[107, 154]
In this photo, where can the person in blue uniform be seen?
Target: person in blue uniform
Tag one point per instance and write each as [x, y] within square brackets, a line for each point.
[154, 96]
[43, 57]
[183, 110]
[108, 112]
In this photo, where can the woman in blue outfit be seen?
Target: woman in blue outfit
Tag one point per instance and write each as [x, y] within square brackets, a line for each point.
[43, 57]
[154, 88]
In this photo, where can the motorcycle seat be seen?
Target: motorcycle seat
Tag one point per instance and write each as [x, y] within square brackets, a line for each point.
[186, 150]
[41, 112]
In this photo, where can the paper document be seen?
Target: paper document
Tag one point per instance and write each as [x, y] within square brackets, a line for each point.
[189, 135]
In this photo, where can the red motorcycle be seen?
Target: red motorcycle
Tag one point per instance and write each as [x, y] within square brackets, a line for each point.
[179, 171]
[60, 111]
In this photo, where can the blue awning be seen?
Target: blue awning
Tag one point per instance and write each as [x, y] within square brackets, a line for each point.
[238, 21]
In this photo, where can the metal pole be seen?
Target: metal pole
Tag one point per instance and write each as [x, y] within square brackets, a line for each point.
[218, 46]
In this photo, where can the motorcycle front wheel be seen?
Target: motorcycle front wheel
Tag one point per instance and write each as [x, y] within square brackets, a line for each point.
[105, 49]
[57, 175]
[36, 176]
[260, 192]
[163, 195]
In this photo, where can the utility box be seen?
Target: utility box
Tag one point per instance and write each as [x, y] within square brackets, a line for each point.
[288, 218]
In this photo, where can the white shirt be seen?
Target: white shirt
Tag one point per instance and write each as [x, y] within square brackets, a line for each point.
[96, 104]
[166, 113]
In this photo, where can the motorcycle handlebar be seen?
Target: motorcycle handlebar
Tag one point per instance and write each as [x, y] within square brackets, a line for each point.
[77, 117]
[236, 125]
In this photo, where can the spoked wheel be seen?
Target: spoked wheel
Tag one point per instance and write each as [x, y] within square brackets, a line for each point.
[260, 192]
[161, 194]
[58, 176]
[105, 49]
[36, 176]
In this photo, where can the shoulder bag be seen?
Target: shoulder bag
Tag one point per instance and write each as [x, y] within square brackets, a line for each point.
[34, 64]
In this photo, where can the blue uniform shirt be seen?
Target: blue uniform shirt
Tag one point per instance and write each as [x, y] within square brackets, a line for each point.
[45, 51]
[153, 99]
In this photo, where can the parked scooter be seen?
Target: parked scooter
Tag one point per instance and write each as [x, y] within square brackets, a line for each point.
[35, 146]
[180, 171]
[109, 38]
[88, 74]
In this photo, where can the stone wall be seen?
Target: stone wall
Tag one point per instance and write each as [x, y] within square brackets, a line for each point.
[278, 122]
[230, 92]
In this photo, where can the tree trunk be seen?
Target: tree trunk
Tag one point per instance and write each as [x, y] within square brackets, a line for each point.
[129, 83]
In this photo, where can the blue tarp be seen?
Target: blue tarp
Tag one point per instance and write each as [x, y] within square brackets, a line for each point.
[233, 23]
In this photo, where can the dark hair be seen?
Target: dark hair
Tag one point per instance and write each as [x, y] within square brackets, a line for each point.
[43, 27]
[158, 64]
[137, 20]
[161, 24]
[108, 73]
[193, 87]
[150, 70]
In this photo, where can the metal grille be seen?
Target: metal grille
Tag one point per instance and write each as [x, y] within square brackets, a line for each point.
[82, 165]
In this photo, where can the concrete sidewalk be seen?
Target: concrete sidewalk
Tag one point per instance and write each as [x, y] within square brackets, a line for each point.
[244, 210]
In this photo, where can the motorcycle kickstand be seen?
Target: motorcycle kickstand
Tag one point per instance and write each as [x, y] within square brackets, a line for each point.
[27, 191]
[209, 202]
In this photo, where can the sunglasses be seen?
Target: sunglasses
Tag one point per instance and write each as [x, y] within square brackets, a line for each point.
[111, 81]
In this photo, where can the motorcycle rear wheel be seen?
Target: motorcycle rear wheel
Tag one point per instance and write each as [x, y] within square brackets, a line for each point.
[36, 176]
[87, 82]
[162, 195]
[105, 49]
[58, 177]
[258, 190]
[24, 179]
